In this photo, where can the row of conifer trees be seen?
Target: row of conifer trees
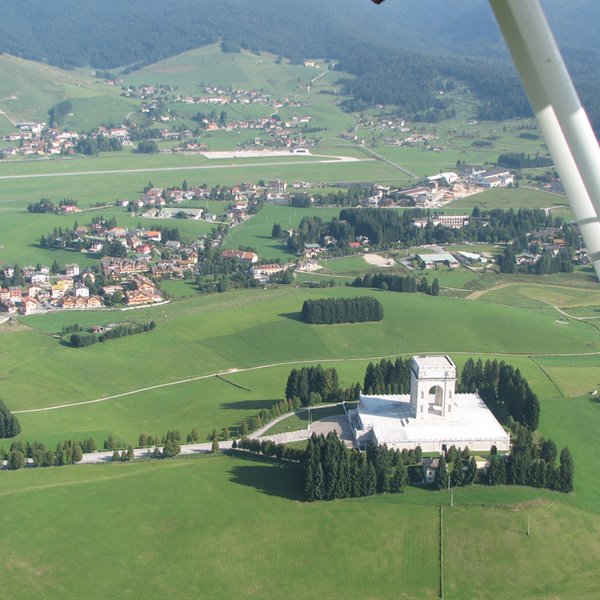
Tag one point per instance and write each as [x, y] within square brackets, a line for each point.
[341, 310]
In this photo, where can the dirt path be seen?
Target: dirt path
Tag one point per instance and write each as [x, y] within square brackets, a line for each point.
[479, 293]
[378, 260]
[290, 363]
[562, 312]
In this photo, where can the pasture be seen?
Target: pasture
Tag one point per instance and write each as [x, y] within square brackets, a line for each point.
[231, 526]
[521, 197]
[247, 330]
[28, 89]
[225, 525]
[256, 232]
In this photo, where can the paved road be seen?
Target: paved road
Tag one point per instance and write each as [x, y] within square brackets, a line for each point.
[389, 162]
[338, 423]
[340, 159]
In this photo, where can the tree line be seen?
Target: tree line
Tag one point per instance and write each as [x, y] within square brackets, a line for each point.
[86, 338]
[67, 453]
[312, 385]
[504, 390]
[269, 448]
[9, 424]
[388, 377]
[521, 160]
[92, 144]
[532, 462]
[341, 310]
[397, 283]
[332, 471]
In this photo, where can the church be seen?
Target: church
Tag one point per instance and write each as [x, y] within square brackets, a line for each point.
[433, 416]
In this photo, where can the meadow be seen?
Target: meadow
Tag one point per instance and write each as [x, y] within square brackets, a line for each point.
[37, 87]
[201, 335]
[230, 525]
[522, 197]
[234, 527]
[256, 232]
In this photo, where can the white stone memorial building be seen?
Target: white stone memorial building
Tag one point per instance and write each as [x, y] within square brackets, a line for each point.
[433, 416]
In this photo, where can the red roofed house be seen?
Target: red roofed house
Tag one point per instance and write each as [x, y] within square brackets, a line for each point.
[28, 305]
[249, 257]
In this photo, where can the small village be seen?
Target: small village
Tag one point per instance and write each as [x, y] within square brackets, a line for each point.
[134, 261]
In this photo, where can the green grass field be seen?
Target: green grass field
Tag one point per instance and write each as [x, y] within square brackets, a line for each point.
[521, 197]
[346, 265]
[234, 527]
[200, 335]
[37, 87]
[231, 526]
[256, 232]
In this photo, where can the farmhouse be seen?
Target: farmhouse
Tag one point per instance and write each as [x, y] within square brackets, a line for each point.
[241, 255]
[265, 271]
[432, 416]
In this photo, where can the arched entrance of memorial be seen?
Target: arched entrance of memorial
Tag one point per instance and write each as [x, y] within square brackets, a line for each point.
[436, 400]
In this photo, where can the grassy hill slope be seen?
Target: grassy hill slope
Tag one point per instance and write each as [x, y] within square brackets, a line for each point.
[38, 86]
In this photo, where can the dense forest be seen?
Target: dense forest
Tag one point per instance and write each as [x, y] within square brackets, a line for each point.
[106, 35]
[309, 386]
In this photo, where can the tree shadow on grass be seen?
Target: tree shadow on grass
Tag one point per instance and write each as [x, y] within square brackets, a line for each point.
[294, 316]
[249, 404]
[267, 475]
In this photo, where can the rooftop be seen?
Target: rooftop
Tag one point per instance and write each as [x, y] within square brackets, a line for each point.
[442, 362]
[393, 422]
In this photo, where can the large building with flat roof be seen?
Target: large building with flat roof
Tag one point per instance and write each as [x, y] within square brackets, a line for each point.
[433, 416]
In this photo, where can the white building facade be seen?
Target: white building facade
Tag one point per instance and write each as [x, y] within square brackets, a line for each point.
[433, 416]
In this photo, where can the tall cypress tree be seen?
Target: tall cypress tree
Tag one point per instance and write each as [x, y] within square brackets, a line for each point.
[566, 471]
[319, 482]
[441, 474]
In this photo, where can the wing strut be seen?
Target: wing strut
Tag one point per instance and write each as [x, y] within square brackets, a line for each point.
[562, 119]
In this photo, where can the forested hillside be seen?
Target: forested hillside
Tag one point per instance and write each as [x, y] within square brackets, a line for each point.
[108, 35]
